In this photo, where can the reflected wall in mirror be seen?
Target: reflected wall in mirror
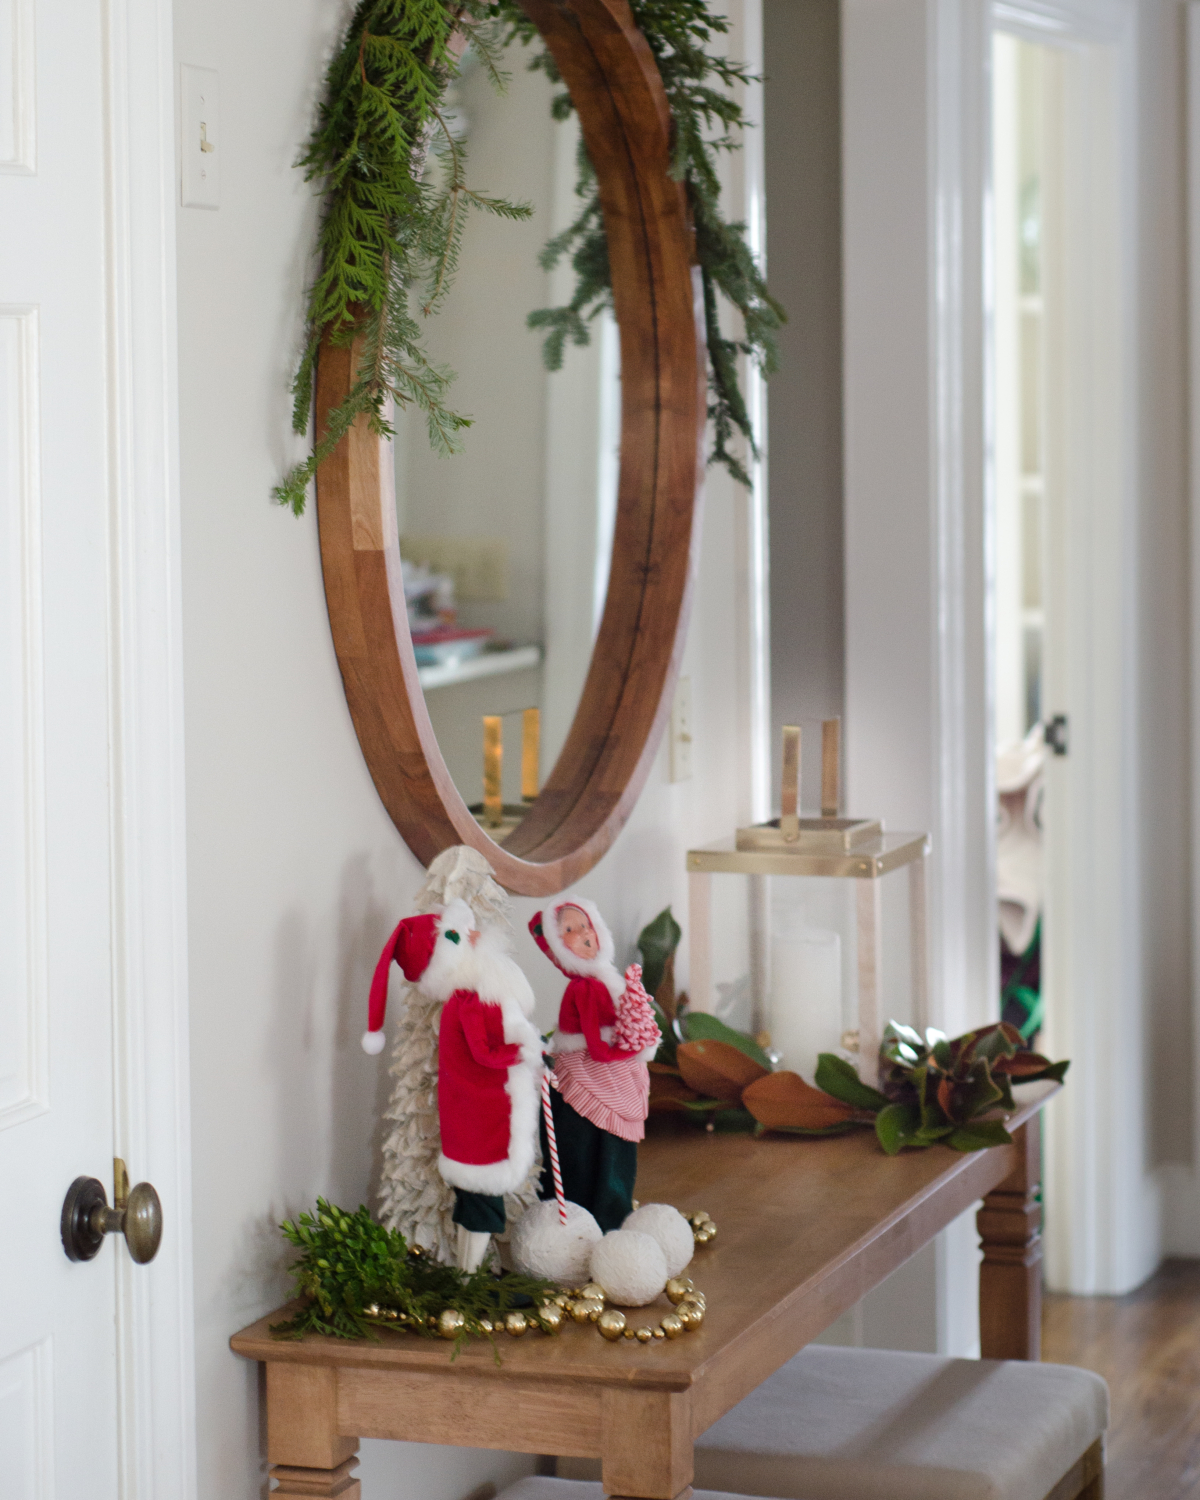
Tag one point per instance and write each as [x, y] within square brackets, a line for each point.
[506, 545]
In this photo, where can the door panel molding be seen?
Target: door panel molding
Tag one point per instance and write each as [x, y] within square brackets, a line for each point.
[18, 122]
[24, 1002]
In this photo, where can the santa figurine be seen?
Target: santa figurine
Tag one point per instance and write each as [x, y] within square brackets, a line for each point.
[489, 1061]
[606, 1035]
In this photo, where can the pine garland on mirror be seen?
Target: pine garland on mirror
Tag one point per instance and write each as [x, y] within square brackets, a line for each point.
[392, 223]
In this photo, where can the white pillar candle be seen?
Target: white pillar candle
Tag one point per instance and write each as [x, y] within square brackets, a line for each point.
[805, 1017]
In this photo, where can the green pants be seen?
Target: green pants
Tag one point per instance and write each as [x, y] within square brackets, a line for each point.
[598, 1169]
[481, 1213]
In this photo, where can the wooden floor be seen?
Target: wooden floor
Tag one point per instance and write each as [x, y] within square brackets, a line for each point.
[1147, 1346]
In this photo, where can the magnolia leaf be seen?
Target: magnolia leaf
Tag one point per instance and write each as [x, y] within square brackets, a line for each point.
[717, 1069]
[668, 1092]
[897, 1031]
[785, 1101]
[996, 1042]
[847, 1125]
[978, 1135]
[699, 1026]
[927, 1136]
[897, 1126]
[657, 942]
[837, 1077]
[976, 1093]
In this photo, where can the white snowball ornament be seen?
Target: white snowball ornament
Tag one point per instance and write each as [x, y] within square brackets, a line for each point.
[630, 1267]
[672, 1231]
[542, 1245]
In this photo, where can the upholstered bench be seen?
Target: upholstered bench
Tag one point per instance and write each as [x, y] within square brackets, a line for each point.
[583, 1489]
[871, 1424]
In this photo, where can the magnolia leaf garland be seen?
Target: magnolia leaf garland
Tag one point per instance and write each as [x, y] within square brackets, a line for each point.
[932, 1089]
[393, 219]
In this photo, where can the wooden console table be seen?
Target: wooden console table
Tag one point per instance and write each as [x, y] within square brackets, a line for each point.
[806, 1228]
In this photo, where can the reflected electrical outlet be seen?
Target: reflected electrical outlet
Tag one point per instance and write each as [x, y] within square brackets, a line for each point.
[680, 746]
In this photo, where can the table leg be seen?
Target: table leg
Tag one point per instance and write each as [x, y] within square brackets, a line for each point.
[647, 1440]
[1010, 1278]
[306, 1453]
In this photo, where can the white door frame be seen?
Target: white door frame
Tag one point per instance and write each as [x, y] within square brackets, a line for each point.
[919, 580]
[1103, 1222]
[914, 165]
[1183, 1214]
[156, 1401]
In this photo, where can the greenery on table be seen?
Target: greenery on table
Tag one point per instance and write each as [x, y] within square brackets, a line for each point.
[393, 219]
[936, 1089]
[700, 85]
[355, 1276]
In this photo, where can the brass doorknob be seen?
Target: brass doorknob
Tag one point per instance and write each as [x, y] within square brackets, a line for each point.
[87, 1218]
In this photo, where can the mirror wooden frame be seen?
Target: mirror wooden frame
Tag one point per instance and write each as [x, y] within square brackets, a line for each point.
[618, 94]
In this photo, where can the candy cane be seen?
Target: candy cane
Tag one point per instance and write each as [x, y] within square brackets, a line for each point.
[556, 1171]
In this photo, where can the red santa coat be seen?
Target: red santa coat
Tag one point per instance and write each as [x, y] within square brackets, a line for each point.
[489, 1065]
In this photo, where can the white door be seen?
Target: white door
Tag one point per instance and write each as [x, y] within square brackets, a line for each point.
[62, 1425]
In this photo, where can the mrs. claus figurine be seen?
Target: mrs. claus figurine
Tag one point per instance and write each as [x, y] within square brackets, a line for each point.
[606, 1035]
[489, 1061]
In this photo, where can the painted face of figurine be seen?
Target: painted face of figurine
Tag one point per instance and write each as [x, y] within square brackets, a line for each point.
[578, 934]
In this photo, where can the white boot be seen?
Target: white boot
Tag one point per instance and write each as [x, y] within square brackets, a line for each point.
[472, 1247]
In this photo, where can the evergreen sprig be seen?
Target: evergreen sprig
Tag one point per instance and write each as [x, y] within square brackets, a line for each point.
[705, 117]
[349, 1265]
[391, 230]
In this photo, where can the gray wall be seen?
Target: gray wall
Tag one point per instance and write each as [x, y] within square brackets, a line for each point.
[804, 257]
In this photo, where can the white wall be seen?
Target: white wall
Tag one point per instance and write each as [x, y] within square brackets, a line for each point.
[295, 873]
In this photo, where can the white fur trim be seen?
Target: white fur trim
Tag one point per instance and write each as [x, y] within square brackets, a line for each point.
[372, 1042]
[575, 1041]
[601, 968]
[508, 1174]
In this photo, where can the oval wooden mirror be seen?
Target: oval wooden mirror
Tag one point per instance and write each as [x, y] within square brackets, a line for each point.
[624, 118]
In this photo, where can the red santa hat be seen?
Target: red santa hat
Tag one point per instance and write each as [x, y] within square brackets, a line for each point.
[415, 947]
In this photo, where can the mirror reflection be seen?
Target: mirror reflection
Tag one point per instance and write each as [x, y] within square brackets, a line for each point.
[506, 545]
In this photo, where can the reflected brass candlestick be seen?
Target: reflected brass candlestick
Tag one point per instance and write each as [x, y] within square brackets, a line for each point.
[493, 768]
[531, 731]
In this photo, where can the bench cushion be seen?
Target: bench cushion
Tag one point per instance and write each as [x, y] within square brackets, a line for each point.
[872, 1424]
[582, 1489]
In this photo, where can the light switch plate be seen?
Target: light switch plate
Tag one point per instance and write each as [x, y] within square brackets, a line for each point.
[680, 745]
[200, 176]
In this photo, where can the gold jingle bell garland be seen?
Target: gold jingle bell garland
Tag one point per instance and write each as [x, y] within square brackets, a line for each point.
[585, 1304]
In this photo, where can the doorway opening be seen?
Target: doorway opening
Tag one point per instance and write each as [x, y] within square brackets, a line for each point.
[1026, 86]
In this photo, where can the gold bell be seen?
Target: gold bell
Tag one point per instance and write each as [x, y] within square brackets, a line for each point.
[644, 1335]
[672, 1326]
[593, 1290]
[515, 1324]
[678, 1287]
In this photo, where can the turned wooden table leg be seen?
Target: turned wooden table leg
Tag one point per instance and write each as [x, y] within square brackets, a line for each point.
[647, 1440]
[306, 1454]
[1010, 1278]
